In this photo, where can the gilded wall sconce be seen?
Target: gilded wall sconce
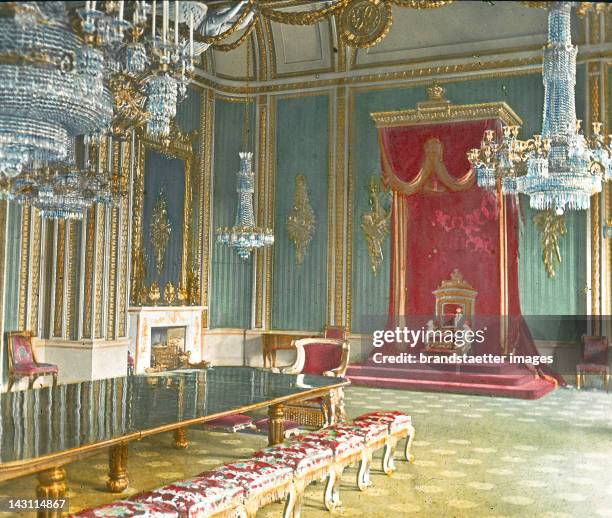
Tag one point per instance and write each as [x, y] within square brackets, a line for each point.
[301, 221]
[375, 224]
[551, 227]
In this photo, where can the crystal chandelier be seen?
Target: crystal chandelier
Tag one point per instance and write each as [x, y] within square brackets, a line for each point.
[559, 169]
[245, 236]
[69, 74]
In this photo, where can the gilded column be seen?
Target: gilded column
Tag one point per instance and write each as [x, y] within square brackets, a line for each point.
[88, 247]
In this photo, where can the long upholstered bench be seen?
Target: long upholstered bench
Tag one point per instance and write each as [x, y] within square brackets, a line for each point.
[282, 472]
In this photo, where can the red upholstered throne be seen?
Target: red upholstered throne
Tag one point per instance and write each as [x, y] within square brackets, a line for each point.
[594, 359]
[22, 360]
[321, 356]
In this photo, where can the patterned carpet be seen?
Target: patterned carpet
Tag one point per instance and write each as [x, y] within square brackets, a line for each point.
[475, 457]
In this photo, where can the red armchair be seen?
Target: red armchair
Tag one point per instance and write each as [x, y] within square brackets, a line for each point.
[594, 359]
[22, 360]
[338, 332]
[322, 356]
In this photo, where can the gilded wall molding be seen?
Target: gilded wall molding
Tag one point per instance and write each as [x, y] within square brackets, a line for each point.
[350, 204]
[205, 161]
[89, 221]
[262, 205]
[177, 145]
[58, 303]
[269, 252]
[99, 260]
[24, 264]
[331, 200]
[594, 88]
[35, 271]
[3, 242]
[340, 206]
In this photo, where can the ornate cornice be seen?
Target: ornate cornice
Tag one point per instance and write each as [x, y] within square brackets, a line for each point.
[456, 113]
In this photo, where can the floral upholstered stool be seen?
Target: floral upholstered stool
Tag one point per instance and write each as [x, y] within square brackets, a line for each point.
[374, 436]
[198, 497]
[400, 426]
[309, 462]
[127, 508]
[347, 447]
[230, 423]
[263, 482]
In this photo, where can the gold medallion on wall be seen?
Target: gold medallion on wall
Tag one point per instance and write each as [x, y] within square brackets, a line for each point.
[364, 23]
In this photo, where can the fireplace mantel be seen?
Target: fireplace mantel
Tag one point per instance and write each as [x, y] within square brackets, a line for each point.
[142, 319]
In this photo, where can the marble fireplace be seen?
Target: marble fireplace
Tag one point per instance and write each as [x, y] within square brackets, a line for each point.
[149, 325]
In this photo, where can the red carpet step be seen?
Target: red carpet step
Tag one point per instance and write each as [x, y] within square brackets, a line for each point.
[493, 380]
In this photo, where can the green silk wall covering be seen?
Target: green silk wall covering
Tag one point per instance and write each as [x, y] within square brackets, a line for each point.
[539, 295]
[231, 277]
[299, 293]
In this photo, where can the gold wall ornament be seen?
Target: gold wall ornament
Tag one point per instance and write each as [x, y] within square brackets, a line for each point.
[551, 227]
[364, 23]
[154, 293]
[181, 294]
[301, 221]
[159, 231]
[169, 294]
[375, 224]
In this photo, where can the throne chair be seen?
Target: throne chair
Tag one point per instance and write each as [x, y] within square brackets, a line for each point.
[455, 302]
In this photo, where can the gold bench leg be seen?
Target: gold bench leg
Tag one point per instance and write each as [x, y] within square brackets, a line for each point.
[51, 486]
[117, 474]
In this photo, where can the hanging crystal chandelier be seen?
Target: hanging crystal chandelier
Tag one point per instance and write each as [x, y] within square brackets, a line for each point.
[245, 236]
[68, 74]
[559, 169]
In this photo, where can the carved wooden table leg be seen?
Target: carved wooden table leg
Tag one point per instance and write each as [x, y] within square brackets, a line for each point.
[117, 474]
[52, 486]
[180, 439]
[276, 429]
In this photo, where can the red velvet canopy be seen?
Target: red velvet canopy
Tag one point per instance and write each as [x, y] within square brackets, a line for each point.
[442, 222]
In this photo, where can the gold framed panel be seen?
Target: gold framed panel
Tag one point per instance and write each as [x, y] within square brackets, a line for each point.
[177, 145]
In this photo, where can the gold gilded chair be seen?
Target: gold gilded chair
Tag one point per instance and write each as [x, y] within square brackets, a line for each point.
[319, 356]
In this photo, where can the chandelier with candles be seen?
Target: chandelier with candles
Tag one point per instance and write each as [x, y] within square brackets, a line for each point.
[560, 169]
[68, 75]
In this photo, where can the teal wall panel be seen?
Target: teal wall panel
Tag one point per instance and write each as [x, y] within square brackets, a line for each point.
[540, 295]
[231, 277]
[300, 292]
